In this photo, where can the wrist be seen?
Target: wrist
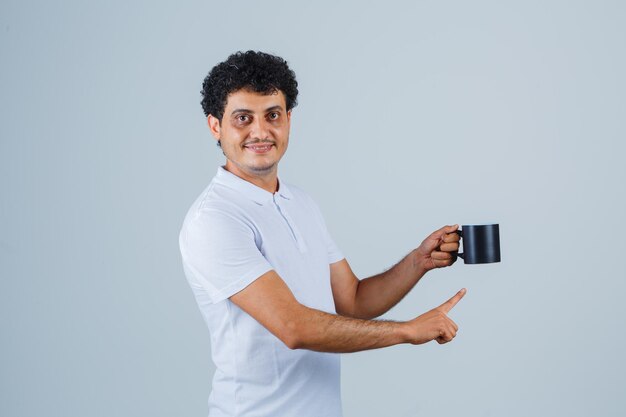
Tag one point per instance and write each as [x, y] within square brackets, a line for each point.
[403, 332]
[419, 263]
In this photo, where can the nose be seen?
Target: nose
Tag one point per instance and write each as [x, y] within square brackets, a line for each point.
[259, 129]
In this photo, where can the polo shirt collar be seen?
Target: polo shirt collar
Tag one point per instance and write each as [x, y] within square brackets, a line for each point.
[249, 190]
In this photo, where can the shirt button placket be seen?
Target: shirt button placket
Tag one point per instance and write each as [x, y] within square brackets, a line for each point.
[292, 227]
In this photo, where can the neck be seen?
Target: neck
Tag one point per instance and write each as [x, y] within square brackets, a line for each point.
[267, 180]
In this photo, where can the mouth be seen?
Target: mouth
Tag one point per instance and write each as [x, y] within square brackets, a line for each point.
[259, 148]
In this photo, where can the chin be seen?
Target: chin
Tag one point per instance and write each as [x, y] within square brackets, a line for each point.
[262, 169]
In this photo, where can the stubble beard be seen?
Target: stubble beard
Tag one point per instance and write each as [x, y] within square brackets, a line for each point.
[263, 170]
[255, 170]
[252, 169]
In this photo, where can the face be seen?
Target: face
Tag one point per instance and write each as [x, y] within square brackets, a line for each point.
[254, 133]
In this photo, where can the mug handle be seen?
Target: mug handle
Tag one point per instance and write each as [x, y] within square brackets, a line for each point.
[460, 233]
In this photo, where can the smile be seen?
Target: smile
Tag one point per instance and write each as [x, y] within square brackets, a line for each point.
[259, 148]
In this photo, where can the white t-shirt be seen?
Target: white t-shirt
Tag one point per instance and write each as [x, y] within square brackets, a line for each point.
[234, 233]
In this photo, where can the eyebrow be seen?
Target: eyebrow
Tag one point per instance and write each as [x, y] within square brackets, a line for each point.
[273, 108]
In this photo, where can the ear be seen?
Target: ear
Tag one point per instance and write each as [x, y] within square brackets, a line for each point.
[214, 126]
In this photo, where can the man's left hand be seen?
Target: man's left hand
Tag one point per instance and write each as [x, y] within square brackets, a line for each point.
[439, 249]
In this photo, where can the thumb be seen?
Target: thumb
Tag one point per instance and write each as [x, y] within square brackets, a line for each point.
[436, 237]
[449, 229]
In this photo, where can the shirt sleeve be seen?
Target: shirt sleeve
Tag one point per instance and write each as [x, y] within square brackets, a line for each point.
[334, 253]
[220, 253]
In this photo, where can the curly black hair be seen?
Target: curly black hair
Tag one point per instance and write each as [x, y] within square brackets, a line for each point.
[257, 71]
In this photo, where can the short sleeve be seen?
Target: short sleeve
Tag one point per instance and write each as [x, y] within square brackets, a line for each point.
[334, 254]
[220, 254]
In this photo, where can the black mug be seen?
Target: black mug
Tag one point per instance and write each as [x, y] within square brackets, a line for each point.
[481, 243]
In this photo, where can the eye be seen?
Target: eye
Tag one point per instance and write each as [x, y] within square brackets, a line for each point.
[243, 118]
[273, 115]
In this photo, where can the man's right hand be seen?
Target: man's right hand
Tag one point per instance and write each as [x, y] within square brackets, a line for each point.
[270, 301]
[434, 324]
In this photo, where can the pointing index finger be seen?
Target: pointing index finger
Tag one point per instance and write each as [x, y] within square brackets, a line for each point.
[448, 305]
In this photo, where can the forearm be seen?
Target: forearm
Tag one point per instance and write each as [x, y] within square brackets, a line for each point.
[272, 304]
[323, 332]
[379, 293]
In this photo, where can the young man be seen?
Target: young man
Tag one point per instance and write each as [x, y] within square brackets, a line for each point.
[279, 298]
